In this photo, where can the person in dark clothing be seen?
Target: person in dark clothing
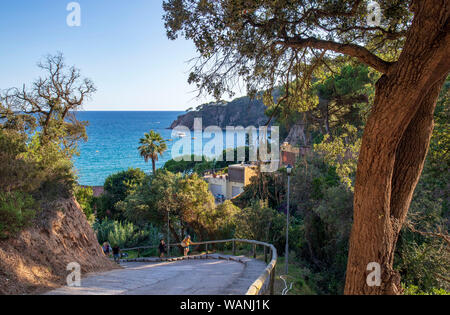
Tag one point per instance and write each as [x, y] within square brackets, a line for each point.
[116, 253]
[162, 249]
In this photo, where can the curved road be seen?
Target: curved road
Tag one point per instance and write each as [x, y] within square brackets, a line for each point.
[186, 277]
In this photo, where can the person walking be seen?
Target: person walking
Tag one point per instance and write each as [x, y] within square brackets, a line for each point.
[162, 249]
[186, 243]
[116, 253]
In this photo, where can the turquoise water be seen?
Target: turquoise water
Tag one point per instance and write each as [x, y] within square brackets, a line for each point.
[113, 142]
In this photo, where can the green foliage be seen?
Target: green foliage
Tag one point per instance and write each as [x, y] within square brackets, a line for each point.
[422, 259]
[323, 212]
[188, 165]
[39, 132]
[223, 220]
[265, 186]
[349, 81]
[126, 234]
[346, 93]
[85, 197]
[152, 145]
[188, 202]
[302, 279]
[342, 153]
[200, 165]
[55, 168]
[17, 209]
[30, 166]
[259, 222]
[422, 256]
[414, 290]
[46, 109]
[268, 42]
[16, 173]
[439, 156]
[423, 265]
[117, 188]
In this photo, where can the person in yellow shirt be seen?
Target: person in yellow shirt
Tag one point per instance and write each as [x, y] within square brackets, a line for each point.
[186, 243]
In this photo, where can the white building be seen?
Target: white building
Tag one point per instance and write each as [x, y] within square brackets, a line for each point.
[232, 184]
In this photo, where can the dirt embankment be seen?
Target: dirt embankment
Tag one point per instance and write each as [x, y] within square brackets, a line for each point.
[36, 260]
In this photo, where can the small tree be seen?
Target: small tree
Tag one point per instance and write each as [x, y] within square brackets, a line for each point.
[50, 104]
[118, 187]
[152, 145]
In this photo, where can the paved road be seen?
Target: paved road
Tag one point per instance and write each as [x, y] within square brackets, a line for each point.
[188, 277]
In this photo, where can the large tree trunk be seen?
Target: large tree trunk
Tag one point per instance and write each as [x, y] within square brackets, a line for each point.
[394, 147]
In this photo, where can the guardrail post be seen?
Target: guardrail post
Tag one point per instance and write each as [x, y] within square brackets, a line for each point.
[254, 250]
[272, 282]
[234, 248]
[206, 249]
[139, 253]
[272, 276]
[265, 254]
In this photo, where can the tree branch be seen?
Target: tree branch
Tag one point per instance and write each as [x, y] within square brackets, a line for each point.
[353, 50]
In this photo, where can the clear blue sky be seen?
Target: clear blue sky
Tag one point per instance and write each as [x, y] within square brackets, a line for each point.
[121, 46]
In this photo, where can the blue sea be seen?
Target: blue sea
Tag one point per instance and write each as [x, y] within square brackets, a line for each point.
[113, 142]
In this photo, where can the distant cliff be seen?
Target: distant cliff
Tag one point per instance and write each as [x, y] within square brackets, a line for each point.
[242, 111]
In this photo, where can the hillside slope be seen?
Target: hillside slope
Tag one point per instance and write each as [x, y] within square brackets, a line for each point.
[36, 259]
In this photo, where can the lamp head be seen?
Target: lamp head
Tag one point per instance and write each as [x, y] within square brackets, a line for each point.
[289, 169]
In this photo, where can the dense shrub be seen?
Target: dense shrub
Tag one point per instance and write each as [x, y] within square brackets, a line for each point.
[85, 197]
[323, 208]
[422, 260]
[18, 171]
[188, 202]
[117, 188]
[262, 223]
[17, 209]
[414, 290]
[126, 234]
[28, 165]
[265, 186]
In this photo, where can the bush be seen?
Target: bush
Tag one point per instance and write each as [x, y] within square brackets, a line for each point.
[414, 290]
[324, 208]
[85, 197]
[188, 201]
[126, 234]
[53, 166]
[16, 172]
[29, 166]
[261, 223]
[117, 188]
[17, 209]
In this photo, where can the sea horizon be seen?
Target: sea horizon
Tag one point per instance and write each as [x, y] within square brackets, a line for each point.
[113, 141]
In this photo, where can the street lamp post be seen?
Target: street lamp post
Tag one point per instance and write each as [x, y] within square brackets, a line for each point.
[288, 170]
[168, 234]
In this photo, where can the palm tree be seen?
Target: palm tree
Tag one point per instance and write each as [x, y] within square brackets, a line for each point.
[151, 145]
